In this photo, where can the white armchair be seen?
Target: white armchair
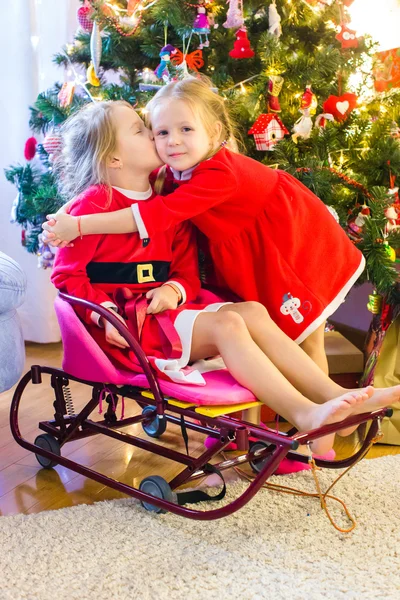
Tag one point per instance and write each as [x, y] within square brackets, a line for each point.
[12, 295]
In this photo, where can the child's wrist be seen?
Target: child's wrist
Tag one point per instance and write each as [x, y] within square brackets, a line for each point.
[79, 223]
[176, 290]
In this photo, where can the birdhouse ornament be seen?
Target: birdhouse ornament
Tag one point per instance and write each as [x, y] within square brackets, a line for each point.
[268, 129]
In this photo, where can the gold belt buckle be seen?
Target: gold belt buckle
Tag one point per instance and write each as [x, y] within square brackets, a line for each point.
[145, 273]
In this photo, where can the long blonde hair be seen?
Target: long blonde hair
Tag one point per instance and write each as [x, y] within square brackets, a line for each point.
[88, 140]
[208, 105]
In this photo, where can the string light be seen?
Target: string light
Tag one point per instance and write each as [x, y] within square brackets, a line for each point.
[242, 89]
[240, 83]
[80, 79]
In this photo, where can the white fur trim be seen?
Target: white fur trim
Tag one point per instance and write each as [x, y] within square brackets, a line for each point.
[184, 324]
[133, 194]
[139, 222]
[95, 317]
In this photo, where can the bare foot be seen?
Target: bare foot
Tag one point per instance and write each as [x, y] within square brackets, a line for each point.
[349, 430]
[381, 398]
[334, 411]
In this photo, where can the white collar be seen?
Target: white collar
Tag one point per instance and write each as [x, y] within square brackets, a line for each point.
[133, 194]
[183, 175]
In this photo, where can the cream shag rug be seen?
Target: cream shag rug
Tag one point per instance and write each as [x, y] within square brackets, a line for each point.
[277, 547]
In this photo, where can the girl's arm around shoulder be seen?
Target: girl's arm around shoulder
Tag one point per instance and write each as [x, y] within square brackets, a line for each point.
[97, 215]
[213, 182]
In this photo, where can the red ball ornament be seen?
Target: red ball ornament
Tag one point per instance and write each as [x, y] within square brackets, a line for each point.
[340, 106]
[30, 148]
[84, 19]
[241, 48]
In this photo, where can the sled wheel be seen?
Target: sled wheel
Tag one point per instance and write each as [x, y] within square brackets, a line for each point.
[258, 464]
[47, 442]
[156, 427]
[158, 487]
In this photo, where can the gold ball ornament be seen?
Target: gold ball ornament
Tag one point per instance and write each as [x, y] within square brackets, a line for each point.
[374, 303]
[91, 76]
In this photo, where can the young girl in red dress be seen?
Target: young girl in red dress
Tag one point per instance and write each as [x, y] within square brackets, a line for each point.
[270, 238]
[108, 155]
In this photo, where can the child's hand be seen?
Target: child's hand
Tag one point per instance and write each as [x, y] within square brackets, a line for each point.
[60, 229]
[163, 298]
[112, 336]
[50, 238]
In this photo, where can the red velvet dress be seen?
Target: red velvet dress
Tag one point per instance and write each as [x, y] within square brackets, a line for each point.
[98, 266]
[270, 238]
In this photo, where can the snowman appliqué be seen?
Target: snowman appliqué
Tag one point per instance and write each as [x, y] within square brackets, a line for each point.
[291, 305]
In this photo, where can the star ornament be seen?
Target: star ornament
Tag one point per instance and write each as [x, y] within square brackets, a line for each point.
[347, 37]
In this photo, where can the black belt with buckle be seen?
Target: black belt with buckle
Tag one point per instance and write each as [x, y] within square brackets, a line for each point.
[128, 273]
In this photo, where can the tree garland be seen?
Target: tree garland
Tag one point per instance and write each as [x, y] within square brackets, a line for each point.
[342, 176]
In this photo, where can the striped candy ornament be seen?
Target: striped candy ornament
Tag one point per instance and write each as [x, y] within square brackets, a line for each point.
[52, 144]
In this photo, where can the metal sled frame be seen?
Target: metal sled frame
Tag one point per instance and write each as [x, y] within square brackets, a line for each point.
[224, 428]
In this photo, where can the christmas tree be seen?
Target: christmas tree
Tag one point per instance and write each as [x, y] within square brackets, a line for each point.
[309, 96]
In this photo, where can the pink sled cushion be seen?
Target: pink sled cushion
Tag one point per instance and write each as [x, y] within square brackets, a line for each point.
[84, 359]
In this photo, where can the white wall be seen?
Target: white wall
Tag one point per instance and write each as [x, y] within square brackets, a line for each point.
[24, 73]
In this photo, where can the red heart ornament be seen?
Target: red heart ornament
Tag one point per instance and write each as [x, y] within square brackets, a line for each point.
[340, 106]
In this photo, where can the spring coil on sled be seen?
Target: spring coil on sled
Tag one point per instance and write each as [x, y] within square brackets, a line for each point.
[69, 404]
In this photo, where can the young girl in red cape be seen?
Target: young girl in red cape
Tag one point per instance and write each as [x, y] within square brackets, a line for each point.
[107, 157]
[270, 239]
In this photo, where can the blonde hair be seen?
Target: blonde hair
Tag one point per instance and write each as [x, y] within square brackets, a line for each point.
[88, 140]
[208, 105]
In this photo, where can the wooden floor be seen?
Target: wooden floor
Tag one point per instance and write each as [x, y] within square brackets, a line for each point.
[26, 488]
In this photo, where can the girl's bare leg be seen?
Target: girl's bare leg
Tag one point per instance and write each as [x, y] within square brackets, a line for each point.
[314, 346]
[226, 333]
[297, 367]
[294, 364]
